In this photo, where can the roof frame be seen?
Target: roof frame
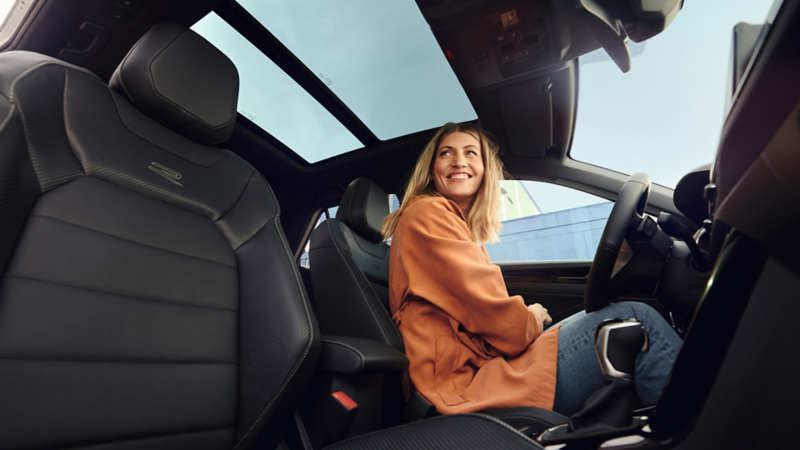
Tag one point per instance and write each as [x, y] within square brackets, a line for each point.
[258, 35]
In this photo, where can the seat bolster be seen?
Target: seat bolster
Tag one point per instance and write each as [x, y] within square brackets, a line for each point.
[18, 63]
[535, 419]
[352, 308]
[19, 187]
[456, 432]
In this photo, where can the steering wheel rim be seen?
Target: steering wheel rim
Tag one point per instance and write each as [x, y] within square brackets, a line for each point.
[627, 213]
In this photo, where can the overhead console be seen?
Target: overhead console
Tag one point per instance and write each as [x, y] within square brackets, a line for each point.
[492, 41]
[513, 59]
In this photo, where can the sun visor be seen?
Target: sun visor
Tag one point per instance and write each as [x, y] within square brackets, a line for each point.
[527, 110]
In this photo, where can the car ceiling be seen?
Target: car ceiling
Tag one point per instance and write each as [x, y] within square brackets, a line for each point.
[509, 109]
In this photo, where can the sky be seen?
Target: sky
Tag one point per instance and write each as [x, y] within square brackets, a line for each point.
[664, 117]
[5, 6]
[392, 73]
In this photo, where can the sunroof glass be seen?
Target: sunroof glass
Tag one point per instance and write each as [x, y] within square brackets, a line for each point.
[275, 102]
[380, 58]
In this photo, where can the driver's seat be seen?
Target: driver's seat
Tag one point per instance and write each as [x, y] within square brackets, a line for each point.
[350, 273]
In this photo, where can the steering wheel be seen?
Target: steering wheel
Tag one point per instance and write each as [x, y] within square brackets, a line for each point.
[625, 217]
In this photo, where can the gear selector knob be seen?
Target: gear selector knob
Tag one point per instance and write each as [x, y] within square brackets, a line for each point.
[618, 342]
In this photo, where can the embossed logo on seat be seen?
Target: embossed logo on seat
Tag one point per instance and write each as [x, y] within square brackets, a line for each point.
[165, 172]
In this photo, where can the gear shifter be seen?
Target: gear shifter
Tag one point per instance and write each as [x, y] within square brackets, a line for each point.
[609, 411]
[617, 342]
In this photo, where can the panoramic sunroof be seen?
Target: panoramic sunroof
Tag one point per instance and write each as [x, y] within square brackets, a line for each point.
[382, 62]
[275, 102]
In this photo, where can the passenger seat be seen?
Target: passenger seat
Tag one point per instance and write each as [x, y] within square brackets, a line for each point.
[350, 272]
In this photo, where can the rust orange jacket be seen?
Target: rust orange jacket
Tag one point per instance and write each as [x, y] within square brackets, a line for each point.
[471, 347]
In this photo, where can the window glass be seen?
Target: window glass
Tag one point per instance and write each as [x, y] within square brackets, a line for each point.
[393, 205]
[5, 8]
[274, 101]
[12, 13]
[303, 261]
[663, 117]
[547, 222]
[380, 58]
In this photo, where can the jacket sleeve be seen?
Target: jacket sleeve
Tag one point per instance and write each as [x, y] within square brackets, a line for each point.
[445, 268]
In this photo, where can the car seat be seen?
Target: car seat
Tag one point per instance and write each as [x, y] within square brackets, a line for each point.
[149, 298]
[350, 273]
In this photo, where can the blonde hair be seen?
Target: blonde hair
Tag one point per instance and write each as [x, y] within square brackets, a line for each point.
[484, 219]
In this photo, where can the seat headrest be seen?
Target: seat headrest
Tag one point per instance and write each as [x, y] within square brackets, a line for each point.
[177, 77]
[363, 208]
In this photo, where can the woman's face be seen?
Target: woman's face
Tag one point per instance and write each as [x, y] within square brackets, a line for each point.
[458, 169]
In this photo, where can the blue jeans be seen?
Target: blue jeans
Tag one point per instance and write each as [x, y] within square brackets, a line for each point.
[578, 374]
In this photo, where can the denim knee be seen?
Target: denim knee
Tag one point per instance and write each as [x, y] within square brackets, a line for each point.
[639, 311]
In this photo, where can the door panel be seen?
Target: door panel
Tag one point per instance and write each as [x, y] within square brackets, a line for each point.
[558, 285]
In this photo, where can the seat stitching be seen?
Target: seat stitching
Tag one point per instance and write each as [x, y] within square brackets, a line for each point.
[363, 294]
[25, 74]
[168, 302]
[125, 89]
[525, 418]
[144, 138]
[534, 407]
[132, 241]
[445, 417]
[185, 111]
[7, 119]
[113, 361]
[361, 367]
[154, 436]
[310, 330]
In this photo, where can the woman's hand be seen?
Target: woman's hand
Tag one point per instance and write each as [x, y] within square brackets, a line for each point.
[541, 311]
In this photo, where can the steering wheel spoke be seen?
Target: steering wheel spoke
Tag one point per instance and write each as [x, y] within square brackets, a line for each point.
[625, 219]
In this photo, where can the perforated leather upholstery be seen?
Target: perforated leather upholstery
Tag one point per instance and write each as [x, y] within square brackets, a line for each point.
[148, 296]
[350, 271]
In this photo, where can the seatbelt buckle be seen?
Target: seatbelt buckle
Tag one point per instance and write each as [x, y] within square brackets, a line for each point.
[338, 416]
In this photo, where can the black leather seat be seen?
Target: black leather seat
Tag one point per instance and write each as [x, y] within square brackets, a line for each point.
[350, 273]
[350, 267]
[148, 298]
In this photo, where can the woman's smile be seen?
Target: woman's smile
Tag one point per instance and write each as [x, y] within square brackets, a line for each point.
[458, 169]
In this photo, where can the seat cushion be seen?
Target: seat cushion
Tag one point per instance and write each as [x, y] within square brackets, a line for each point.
[457, 432]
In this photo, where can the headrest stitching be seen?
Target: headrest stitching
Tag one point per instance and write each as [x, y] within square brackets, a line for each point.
[124, 89]
[153, 83]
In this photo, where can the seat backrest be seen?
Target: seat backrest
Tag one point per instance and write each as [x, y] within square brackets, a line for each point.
[350, 267]
[148, 296]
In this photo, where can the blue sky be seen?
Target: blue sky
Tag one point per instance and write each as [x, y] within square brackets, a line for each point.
[664, 117]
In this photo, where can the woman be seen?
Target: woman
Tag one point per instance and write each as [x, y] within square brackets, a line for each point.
[472, 347]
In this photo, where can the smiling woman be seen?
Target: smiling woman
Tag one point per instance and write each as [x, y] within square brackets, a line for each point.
[458, 169]
[445, 152]
[470, 345]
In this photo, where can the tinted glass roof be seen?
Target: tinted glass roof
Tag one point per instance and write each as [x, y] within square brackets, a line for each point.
[381, 59]
[274, 101]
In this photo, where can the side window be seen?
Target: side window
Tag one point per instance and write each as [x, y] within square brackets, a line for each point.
[394, 204]
[303, 261]
[547, 222]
